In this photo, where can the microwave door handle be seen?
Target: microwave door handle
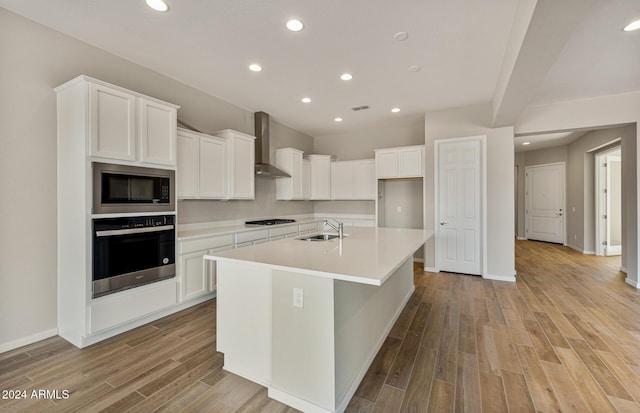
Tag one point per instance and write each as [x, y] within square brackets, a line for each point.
[112, 232]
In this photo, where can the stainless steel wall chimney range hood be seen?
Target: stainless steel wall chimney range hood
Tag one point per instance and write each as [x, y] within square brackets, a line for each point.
[263, 167]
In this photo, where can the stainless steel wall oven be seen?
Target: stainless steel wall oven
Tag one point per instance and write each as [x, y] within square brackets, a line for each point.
[132, 251]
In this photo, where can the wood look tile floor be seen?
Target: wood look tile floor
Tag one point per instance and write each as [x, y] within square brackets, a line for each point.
[564, 338]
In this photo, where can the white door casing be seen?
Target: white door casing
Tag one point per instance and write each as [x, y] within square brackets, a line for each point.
[459, 198]
[544, 202]
[608, 203]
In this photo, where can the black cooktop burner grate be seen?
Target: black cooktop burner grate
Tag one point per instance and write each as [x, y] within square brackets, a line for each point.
[273, 221]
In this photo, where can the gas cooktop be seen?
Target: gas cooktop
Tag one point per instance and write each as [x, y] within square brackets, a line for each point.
[272, 221]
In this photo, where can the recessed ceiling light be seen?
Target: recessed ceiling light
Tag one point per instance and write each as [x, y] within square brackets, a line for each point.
[255, 67]
[338, 119]
[306, 100]
[632, 26]
[395, 110]
[158, 5]
[414, 68]
[346, 76]
[295, 25]
[401, 36]
[526, 143]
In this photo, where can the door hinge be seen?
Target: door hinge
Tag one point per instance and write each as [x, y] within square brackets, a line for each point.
[605, 190]
[604, 217]
[604, 242]
[604, 165]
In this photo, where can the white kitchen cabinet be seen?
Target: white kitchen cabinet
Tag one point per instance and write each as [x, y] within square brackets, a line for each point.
[320, 166]
[342, 180]
[364, 179]
[188, 165]
[112, 122]
[241, 167]
[127, 126]
[212, 168]
[306, 179]
[100, 122]
[196, 276]
[215, 167]
[289, 160]
[157, 126]
[402, 162]
[353, 180]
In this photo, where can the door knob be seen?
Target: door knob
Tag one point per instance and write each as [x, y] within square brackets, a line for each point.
[442, 222]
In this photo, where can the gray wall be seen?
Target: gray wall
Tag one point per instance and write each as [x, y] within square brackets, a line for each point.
[581, 183]
[28, 256]
[474, 121]
[580, 180]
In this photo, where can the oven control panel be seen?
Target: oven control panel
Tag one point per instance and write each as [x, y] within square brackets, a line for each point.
[133, 222]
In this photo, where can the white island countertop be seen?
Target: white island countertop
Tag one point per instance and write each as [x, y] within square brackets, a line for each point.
[365, 255]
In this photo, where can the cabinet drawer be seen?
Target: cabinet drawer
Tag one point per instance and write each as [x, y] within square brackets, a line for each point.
[288, 230]
[251, 236]
[310, 227]
[126, 306]
[205, 243]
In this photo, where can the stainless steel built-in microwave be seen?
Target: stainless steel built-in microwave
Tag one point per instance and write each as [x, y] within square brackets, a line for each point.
[124, 189]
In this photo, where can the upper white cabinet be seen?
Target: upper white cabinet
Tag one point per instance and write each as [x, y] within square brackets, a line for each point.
[353, 180]
[124, 125]
[241, 150]
[215, 167]
[112, 122]
[364, 179]
[306, 179]
[157, 128]
[320, 169]
[403, 162]
[290, 161]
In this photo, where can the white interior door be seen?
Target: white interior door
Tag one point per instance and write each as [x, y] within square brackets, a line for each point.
[609, 203]
[544, 202]
[458, 226]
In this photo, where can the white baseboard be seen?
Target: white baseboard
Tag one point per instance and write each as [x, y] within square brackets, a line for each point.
[24, 341]
[580, 250]
[632, 283]
[508, 278]
[521, 238]
[431, 269]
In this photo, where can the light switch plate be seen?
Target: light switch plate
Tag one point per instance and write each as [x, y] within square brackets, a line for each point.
[298, 297]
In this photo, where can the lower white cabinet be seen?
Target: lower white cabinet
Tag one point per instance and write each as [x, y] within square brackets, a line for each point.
[197, 277]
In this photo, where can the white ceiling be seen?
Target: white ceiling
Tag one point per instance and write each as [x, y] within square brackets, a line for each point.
[459, 45]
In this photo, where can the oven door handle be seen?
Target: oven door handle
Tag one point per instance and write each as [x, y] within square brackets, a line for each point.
[112, 232]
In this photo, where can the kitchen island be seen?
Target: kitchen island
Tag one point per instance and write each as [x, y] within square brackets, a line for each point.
[306, 318]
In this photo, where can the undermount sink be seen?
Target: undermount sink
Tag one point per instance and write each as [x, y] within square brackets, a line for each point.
[319, 237]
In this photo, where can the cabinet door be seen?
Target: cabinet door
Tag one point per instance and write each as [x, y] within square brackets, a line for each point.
[342, 180]
[296, 175]
[157, 132]
[210, 268]
[410, 161]
[364, 180]
[387, 164]
[306, 179]
[242, 168]
[112, 123]
[187, 185]
[194, 275]
[213, 168]
[321, 178]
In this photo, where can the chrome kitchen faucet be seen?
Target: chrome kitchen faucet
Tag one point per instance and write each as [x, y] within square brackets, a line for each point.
[339, 228]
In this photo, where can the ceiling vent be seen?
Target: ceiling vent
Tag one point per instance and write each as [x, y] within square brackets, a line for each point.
[361, 107]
